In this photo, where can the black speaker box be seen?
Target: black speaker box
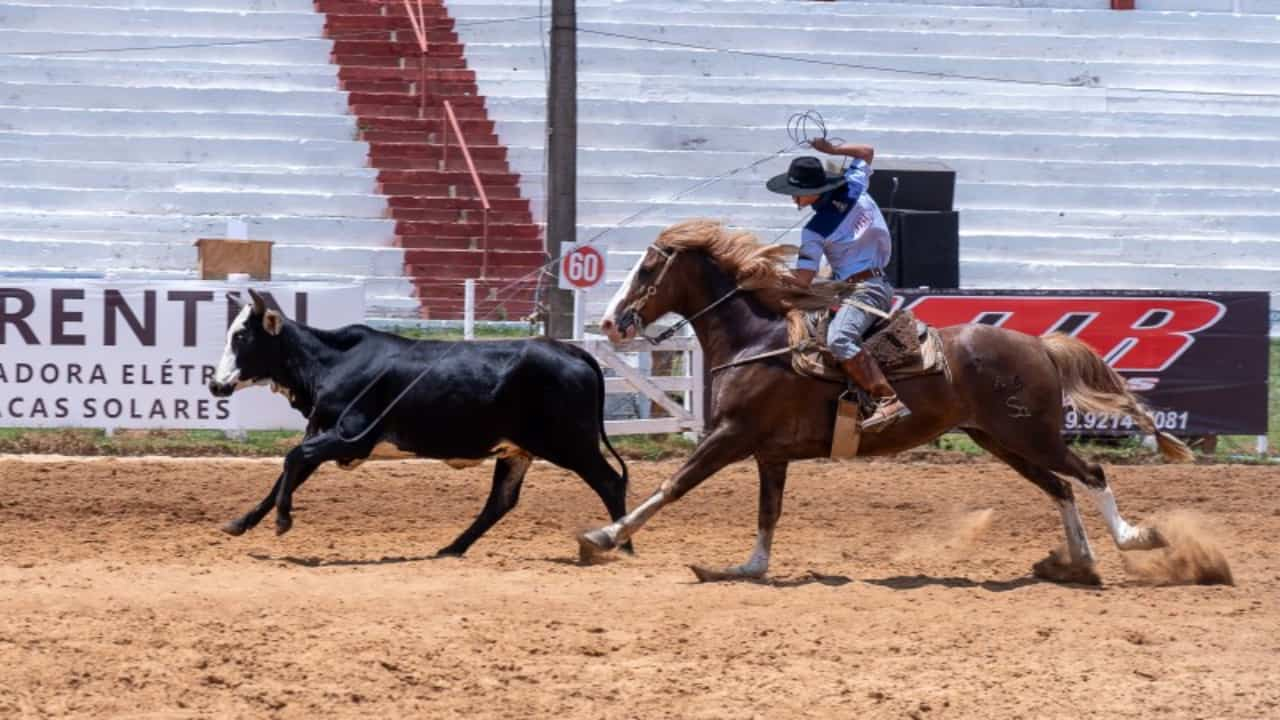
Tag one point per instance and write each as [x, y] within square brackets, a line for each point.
[913, 185]
[926, 248]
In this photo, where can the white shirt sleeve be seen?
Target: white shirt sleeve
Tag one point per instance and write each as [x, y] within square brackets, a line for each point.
[810, 251]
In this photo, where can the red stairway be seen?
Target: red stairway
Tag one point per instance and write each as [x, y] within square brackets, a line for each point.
[437, 209]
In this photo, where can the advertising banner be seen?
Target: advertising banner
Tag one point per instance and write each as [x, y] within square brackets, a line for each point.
[136, 354]
[1200, 360]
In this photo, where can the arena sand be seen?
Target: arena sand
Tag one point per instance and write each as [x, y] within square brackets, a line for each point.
[898, 590]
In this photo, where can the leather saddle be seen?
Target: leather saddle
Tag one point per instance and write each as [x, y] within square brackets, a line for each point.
[902, 345]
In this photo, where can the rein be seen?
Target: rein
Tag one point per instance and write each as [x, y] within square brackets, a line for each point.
[752, 358]
[666, 335]
[651, 289]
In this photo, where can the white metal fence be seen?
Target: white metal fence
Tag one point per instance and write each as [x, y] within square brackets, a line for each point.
[632, 370]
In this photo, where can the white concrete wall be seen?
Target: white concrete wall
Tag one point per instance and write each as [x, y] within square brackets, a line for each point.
[1122, 169]
[114, 161]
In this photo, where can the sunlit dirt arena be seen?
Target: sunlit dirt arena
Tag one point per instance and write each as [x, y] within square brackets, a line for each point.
[898, 590]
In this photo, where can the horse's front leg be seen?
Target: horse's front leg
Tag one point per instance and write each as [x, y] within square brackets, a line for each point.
[773, 481]
[720, 448]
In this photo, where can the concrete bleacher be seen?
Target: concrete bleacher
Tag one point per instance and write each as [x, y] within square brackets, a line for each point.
[114, 160]
[1112, 164]
[1137, 149]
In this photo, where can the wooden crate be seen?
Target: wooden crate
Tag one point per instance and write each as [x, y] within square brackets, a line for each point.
[219, 256]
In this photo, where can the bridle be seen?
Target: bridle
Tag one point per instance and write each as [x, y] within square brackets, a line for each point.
[651, 289]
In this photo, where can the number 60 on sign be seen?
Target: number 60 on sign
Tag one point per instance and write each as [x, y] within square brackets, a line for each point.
[581, 266]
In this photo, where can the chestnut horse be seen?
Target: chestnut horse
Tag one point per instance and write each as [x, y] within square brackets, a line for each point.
[1005, 390]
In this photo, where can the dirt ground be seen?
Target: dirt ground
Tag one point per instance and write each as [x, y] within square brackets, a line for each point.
[898, 590]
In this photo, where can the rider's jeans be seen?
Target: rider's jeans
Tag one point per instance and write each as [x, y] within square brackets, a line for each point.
[844, 336]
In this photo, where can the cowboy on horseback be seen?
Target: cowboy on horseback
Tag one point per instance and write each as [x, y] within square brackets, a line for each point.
[733, 291]
[849, 229]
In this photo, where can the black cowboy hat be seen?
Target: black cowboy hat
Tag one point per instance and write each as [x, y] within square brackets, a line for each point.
[806, 176]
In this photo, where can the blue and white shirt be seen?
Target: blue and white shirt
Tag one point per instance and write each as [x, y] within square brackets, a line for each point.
[848, 228]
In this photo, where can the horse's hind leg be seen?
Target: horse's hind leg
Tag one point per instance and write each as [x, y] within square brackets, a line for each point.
[1093, 480]
[1049, 450]
[1079, 567]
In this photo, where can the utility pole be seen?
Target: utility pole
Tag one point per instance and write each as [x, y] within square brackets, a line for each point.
[562, 161]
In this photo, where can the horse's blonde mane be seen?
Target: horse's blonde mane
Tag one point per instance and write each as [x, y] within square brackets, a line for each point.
[755, 266]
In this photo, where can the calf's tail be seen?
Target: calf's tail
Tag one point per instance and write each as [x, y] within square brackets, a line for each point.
[595, 365]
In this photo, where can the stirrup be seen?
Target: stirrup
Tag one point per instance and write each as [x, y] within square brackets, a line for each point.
[878, 422]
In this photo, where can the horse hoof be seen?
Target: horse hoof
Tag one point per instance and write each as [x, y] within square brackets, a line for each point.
[592, 544]
[1154, 539]
[234, 528]
[1054, 569]
[284, 524]
[704, 574]
[449, 552]
[708, 575]
[1148, 539]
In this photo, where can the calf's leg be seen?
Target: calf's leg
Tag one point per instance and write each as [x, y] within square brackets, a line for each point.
[250, 520]
[508, 476]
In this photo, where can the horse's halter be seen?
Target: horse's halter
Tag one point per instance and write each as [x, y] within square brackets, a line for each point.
[651, 289]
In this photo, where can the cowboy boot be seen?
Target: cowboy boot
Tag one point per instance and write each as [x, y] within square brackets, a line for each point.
[865, 371]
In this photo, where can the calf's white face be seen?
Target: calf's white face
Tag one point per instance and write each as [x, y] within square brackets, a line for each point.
[227, 376]
[252, 351]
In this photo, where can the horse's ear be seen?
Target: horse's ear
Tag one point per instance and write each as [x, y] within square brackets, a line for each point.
[273, 322]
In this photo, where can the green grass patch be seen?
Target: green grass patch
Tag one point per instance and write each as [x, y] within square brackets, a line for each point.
[178, 443]
[652, 447]
[1126, 450]
[1245, 445]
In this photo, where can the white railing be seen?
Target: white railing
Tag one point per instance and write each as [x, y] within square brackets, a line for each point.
[683, 416]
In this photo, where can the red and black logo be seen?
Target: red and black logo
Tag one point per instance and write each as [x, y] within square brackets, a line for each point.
[1134, 334]
[1200, 355]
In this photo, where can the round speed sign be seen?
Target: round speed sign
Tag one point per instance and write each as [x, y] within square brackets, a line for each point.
[583, 268]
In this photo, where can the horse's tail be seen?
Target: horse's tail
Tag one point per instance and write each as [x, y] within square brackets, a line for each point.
[1092, 386]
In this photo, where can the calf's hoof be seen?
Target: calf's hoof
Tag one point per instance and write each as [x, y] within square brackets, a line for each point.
[234, 528]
